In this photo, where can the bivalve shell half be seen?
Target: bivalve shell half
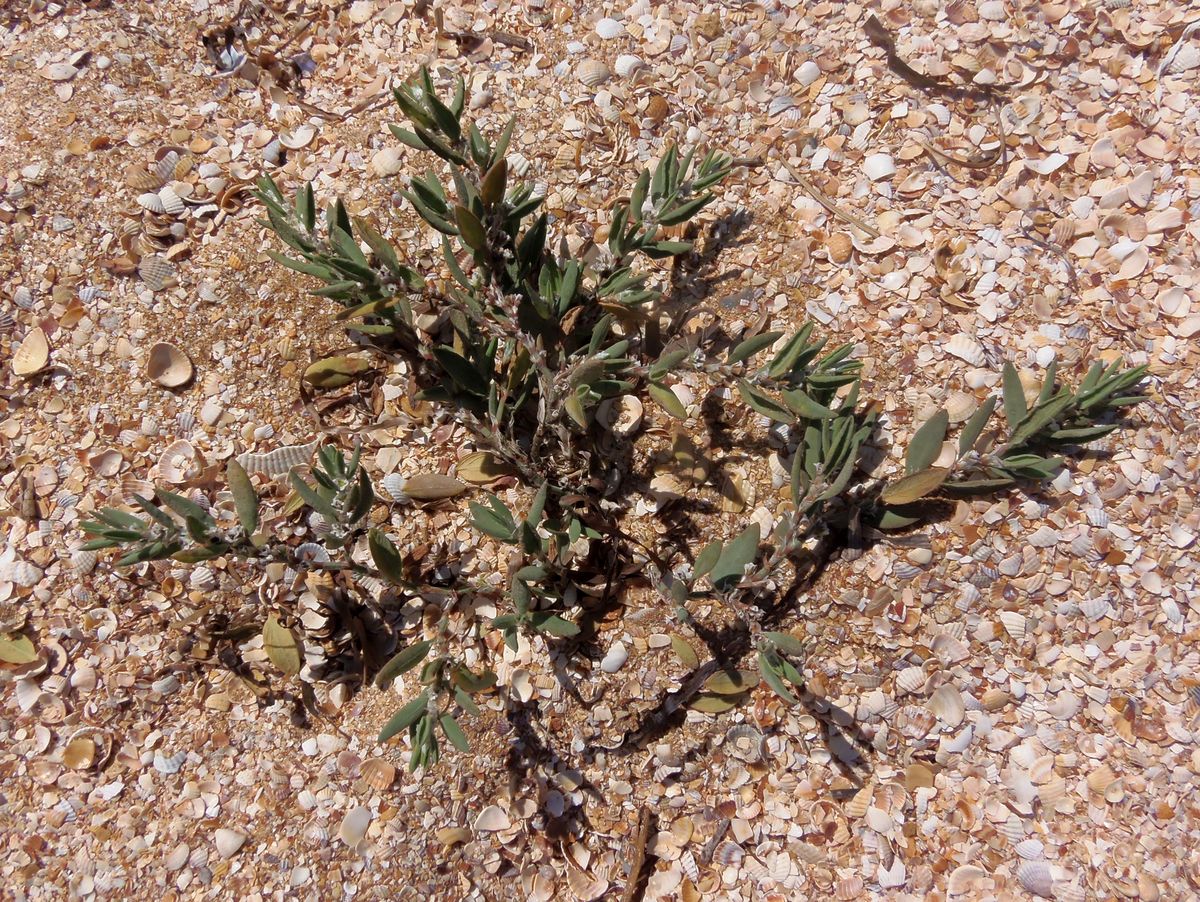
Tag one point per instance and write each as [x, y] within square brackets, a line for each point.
[179, 463]
[378, 774]
[621, 416]
[966, 349]
[169, 366]
[627, 65]
[593, 73]
[32, 355]
[879, 166]
[608, 28]
[947, 703]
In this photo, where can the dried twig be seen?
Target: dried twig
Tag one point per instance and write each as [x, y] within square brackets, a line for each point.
[825, 201]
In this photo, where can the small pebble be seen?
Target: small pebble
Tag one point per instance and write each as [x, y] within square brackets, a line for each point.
[616, 657]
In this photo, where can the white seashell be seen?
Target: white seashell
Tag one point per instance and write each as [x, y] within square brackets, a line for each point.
[621, 416]
[911, 680]
[354, 826]
[171, 765]
[151, 202]
[1065, 706]
[229, 842]
[491, 819]
[83, 562]
[20, 573]
[279, 461]
[165, 168]
[298, 138]
[311, 552]
[1186, 57]
[169, 366]
[1014, 624]
[964, 348]
[1140, 190]
[959, 406]
[808, 73]
[780, 104]
[627, 64]
[521, 684]
[170, 201]
[728, 853]
[592, 73]
[964, 879]
[1095, 608]
[608, 29]
[879, 166]
[393, 486]
[1030, 849]
[947, 704]
[615, 659]
[1036, 878]
[949, 649]
[202, 578]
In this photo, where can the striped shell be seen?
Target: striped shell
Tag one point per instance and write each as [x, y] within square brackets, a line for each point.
[279, 461]
[593, 73]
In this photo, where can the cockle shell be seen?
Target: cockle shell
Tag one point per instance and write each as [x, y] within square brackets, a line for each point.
[32, 354]
[279, 461]
[627, 65]
[593, 73]
[179, 463]
[169, 366]
[608, 29]
[965, 348]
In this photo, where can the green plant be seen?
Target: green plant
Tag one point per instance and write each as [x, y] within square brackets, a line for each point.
[523, 342]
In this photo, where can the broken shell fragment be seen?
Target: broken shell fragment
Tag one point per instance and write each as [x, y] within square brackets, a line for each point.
[169, 366]
[32, 355]
[621, 416]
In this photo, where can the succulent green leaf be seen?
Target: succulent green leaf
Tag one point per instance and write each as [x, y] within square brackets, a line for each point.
[1014, 397]
[915, 486]
[245, 499]
[707, 559]
[454, 733]
[927, 442]
[405, 717]
[764, 404]
[772, 674]
[751, 346]
[735, 557]
[975, 425]
[667, 400]
[402, 662]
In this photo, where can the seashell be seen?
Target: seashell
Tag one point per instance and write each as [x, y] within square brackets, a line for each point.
[491, 819]
[949, 649]
[179, 463]
[1035, 877]
[228, 842]
[171, 202]
[157, 272]
[83, 562]
[621, 416]
[840, 246]
[354, 825]
[615, 659]
[915, 721]
[393, 486]
[32, 355]
[1030, 849]
[311, 552]
[965, 879]
[879, 166]
[169, 765]
[657, 108]
[1064, 706]
[947, 704]
[808, 73]
[627, 65]
[168, 366]
[298, 138]
[80, 753]
[848, 888]
[995, 699]
[279, 461]
[728, 853]
[152, 202]
[911, 680]
[1014, 624]
[1095, 608]
[608, 29]
[746, 743]
[592, 72]
[965, 348]
[960, 406]
[586, 887]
